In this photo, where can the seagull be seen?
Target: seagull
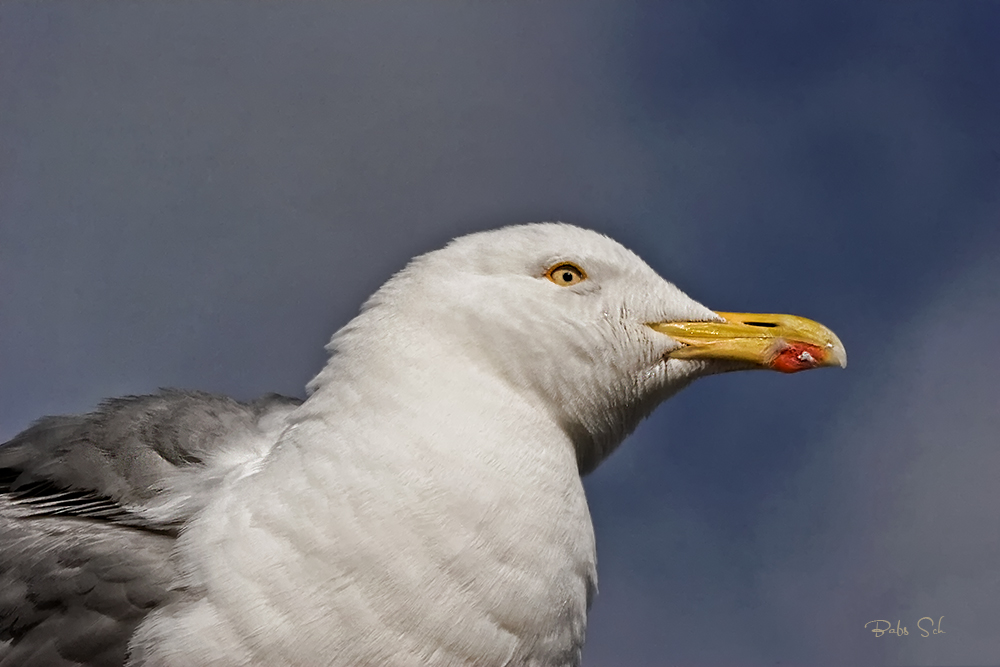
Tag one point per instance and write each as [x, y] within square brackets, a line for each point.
[424, 504]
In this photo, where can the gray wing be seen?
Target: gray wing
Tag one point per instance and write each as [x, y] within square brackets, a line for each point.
[90, 506]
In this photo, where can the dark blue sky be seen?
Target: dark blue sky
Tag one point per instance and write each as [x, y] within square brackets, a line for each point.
[199, 194]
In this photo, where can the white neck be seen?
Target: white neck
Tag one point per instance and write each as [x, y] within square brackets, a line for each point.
[425, 535]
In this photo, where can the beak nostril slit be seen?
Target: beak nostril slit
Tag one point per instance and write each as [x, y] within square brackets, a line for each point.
[761, 324]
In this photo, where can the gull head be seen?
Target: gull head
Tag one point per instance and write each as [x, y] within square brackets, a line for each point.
[572, 321]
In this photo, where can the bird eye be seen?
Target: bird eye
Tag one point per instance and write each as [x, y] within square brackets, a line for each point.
[565, 275]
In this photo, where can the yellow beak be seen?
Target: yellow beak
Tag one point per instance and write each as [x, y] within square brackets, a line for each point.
[785, 343]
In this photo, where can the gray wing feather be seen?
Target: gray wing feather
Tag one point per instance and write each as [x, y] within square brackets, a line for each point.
[81, 561]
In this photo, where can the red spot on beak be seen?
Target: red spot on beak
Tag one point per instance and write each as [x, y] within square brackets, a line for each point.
[797, 357]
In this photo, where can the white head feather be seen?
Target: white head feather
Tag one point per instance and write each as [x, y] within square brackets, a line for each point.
[583, 352]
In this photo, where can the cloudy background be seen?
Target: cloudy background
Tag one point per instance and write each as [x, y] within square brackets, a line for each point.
[198, 194]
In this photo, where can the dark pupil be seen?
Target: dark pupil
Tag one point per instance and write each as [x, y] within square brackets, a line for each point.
[567, 277]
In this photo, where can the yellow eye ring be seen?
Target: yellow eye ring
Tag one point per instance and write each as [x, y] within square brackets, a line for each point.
[566, 274]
